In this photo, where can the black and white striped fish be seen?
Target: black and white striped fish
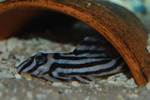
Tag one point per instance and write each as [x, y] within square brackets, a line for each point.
[93, 57]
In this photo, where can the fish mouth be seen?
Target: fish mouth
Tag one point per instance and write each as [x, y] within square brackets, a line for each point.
[24, 64]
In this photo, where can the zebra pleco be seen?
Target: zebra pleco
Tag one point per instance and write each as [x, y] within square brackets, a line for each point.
[93, 57]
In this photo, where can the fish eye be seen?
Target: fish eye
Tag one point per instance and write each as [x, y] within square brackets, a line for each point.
[40, 59]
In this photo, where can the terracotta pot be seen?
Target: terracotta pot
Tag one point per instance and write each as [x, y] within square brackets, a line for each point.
[120, 27]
